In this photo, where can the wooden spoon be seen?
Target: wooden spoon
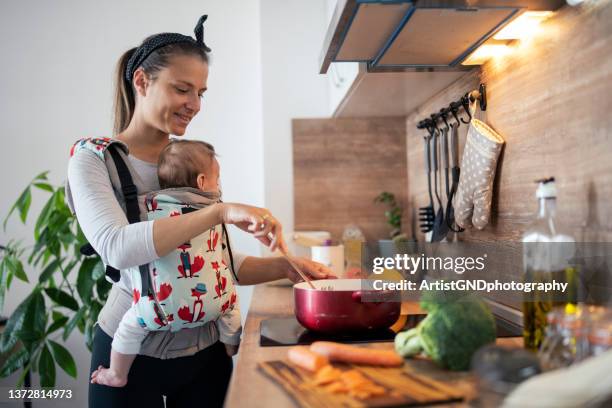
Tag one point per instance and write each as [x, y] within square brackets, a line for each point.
[297, 268]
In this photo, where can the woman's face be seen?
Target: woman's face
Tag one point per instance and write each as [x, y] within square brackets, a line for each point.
[171, 100]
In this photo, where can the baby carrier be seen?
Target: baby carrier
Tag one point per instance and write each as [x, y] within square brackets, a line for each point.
[193, 284]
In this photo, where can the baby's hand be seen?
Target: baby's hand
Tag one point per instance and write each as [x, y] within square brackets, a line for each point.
[105, 376]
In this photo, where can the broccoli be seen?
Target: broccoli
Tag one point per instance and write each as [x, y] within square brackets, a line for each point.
[455, 327]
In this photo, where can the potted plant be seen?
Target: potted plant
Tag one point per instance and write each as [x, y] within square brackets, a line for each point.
[68, 293]
[388, 247]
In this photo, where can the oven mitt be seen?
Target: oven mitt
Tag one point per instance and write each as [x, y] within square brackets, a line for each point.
[473, 199]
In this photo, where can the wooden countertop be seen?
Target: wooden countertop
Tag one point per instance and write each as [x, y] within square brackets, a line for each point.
[250, 388]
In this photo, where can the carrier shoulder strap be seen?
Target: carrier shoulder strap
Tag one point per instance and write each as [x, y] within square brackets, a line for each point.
[130, 196]
[229, 250]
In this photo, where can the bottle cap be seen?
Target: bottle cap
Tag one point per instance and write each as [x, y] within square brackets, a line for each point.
[546, 188]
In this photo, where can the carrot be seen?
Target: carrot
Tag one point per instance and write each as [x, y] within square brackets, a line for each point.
[354, 379]
[358, 355]
[327, 375]
[336, 387]
[306, 359]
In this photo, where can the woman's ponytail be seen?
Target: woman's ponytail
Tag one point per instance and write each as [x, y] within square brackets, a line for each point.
[124, 95]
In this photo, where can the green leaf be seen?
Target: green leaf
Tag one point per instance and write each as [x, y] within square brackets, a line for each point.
[69, 267]
[9, 279]
[56, 325]
[14, 362]
[24, 205]
[35, 357]
[13, 326]
[27, 369]
[55, 315]
[42, 176]
[60, 202]
[89, 335]
[98, 271]
[85, 281]
[44, 186]
[62, 298]
[46, 255]
[102, 288]
[94, 310]
[43, 218]
[46, 368]
[57, 220]
[20, 272]
[17, 268]
[63, 358]
[38, 246]
[81, 324]
[81, 239]
[66, 238]
[76, 319]
[49, 270]
[35, 319]
[24, 200]
[3, 286]
[16, 205]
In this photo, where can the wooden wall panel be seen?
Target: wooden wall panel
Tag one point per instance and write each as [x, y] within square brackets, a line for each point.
[340, 165]
[551, 99]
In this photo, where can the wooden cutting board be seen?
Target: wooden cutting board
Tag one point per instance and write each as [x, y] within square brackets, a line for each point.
[404, 386]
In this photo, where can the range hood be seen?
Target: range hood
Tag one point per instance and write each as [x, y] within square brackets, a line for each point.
[419, 35]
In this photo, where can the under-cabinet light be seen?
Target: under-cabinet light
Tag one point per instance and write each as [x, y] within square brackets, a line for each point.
[524, 26]
[485, 52]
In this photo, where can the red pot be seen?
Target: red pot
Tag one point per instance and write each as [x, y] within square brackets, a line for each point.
[340, 305]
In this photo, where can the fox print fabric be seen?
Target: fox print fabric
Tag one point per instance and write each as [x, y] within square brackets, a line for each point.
[194, 283]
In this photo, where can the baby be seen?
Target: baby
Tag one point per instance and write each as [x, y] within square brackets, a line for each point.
[183, 163]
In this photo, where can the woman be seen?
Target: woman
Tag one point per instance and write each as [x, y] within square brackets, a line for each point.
[159, 89]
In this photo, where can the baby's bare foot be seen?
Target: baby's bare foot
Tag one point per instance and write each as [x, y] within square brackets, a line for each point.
[108, 377]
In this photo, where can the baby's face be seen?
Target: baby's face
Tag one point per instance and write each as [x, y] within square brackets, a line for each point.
[211, 178]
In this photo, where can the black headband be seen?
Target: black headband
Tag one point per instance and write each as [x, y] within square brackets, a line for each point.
[161, 40]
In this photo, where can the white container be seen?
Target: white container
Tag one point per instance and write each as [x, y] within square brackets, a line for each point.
[302, 241]
[330, 256]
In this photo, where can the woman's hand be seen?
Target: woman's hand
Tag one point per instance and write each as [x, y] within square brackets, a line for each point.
[256, 221]
[313, 269]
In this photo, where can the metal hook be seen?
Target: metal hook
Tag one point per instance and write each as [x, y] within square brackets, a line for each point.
[430, 126]
[431, 123]
[434, 119]
[465, 102]
[443, 113]
[454, 108]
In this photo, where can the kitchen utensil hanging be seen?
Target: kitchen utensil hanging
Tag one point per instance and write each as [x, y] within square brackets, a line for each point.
[440, 224]
[427, 214]
[455, 172]
[439, 229]
[449, 156]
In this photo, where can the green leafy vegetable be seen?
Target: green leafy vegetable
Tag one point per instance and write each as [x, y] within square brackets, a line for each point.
[457, 324]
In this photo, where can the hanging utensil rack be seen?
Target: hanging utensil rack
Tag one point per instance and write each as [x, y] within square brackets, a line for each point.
[480, 95]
